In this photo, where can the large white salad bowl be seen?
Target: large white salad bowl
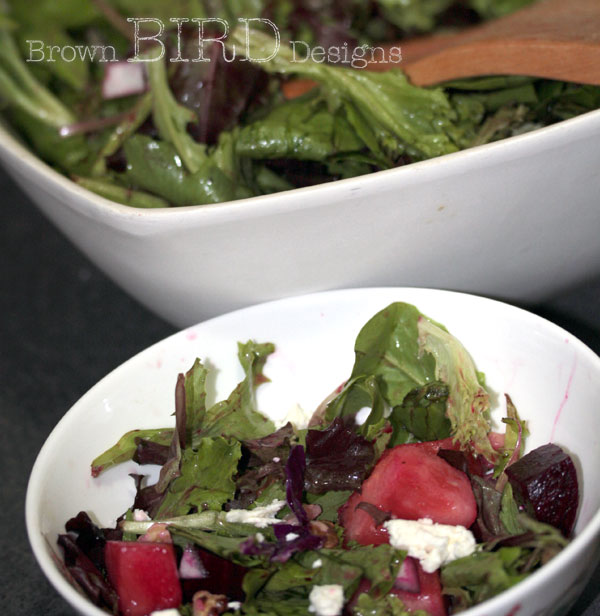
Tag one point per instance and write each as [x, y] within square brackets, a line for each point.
[517, 219]
[553, 379]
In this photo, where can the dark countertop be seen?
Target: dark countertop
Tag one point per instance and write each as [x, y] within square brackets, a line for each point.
[65, 326]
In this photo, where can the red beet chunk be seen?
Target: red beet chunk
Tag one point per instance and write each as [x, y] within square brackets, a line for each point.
[545, 482]
[144, 576]
[409, 482]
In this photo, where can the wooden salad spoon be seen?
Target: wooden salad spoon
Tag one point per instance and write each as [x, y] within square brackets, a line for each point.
[552, 39]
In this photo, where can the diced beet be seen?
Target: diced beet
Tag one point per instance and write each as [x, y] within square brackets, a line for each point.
[545, 483]
[144, 576]
[223, 577]
[409, 482]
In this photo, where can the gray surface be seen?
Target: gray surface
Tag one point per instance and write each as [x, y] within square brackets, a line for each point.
[64, 327]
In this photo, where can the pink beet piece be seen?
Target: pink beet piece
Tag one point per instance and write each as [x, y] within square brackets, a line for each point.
[144, 575]
[545, 483]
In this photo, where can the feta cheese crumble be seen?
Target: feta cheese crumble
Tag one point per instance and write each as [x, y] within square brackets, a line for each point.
[326, 600]
[362, 415]
[432, 544]
[139, 515]
[291, 536]
[170, 612]
[261, 517]
[318, 563]
[297, 416]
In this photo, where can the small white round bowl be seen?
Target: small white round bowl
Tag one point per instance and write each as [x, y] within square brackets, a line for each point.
[553, 379]
[517, 220]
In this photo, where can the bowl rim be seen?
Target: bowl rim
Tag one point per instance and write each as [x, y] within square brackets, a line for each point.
[11, 148]
[39, 544]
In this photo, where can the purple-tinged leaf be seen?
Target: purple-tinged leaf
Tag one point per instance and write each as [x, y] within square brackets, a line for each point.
[218, 91]
[337, 458]
[294, 482]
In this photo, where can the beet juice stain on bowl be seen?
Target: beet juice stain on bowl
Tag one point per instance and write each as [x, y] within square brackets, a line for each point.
[276, 499]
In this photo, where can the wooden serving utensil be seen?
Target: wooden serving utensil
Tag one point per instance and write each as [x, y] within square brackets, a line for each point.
[553, 39]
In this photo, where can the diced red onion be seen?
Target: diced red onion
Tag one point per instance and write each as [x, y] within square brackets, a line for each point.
[123, 79]
[408, 576]
[190, 566]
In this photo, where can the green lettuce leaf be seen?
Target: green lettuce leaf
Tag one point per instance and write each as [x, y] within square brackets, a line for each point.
[481, 576]
[468, 404]
[406, 352]
[205, 479]
[413, 15]
[404, 119]
[422, 414]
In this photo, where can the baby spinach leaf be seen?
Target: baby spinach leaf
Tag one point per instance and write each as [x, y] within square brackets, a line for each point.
[388, 347]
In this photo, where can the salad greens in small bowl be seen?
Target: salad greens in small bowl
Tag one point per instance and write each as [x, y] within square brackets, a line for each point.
[382, 451]
[201, 178]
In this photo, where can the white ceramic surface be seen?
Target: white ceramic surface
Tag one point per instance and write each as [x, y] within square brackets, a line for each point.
[517, 219]
[552, 377]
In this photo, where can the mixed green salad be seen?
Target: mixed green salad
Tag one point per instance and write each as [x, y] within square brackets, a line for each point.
[395, 498]
[175, 131]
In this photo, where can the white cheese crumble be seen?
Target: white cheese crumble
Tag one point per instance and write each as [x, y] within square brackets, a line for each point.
[291, 536]
[234, 605]
[318, 563]
[259, 537]
[362, 415]
[169, 612]
[261, 517]
[297, 416]
[432, 544]
[326, 600]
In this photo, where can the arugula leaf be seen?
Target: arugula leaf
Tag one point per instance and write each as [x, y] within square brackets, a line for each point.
[110, 190]
[126, 447]
[155, 166]
[22, 90]
[238, 416]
